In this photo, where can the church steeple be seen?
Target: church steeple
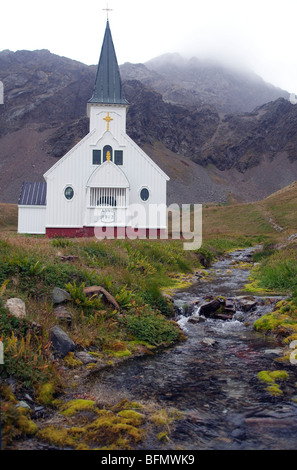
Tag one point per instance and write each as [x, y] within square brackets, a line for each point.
[108, 86]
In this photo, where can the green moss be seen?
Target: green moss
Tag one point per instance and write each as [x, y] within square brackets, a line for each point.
[178, 282]
[279, 375]
[108, 428]
[125, 404]
[91, 366]
[71, 362]
[270, 377]
[75, 406]
[26, 425]
[59, 437]
[265, 376]
[7, 394]
[95, 354]
[122, 353]
[133, 417]
[267, 322]
[255, 287]
[15, 421]
[282, 321]
[163, 436]
[46, 393]
[274, 390]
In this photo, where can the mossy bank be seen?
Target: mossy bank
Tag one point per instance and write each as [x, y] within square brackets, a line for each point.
[133, 317]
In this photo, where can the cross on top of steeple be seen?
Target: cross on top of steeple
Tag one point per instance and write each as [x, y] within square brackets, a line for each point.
[107, 10]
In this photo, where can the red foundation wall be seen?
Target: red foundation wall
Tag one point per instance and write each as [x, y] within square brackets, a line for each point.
[104, 232]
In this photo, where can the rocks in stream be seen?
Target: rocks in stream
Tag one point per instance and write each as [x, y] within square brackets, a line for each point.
[210, 308]
[217, 308]
[246, 303]
[244, 308]
[208, 342]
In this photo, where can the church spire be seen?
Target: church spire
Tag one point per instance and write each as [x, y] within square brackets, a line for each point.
[108, 86]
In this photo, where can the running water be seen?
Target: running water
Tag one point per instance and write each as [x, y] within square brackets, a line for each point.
[212, 377]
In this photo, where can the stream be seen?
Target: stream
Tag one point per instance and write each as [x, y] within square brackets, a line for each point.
[212, 376]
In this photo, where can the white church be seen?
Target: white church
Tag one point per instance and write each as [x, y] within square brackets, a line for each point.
[104, 184]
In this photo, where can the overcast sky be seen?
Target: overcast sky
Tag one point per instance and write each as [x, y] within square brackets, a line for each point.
[258, 34]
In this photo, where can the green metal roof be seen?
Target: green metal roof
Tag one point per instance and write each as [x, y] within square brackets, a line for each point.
[108, 86]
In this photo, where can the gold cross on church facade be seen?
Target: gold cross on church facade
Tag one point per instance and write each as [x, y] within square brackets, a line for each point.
[107, 119]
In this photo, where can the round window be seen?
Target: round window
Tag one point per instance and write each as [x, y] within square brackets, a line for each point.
[144, 194]
[69, 193]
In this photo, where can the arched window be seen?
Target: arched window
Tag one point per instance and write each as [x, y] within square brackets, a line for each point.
[107, 153]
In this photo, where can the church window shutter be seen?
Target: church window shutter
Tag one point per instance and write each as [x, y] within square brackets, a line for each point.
[118, 157]
[96, 157]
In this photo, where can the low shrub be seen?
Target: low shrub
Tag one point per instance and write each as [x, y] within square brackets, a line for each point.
[151, 328]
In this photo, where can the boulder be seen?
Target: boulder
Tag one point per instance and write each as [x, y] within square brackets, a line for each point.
[247, 303]
[203, 260]
[60, 295]
[239, 316]
[209, 308]
[106, 296]
[223, 316]
[196, 319]
[63, 315]
[85, 357]
[208, 341]
[16, 307]
[61, 342]
[229, 306]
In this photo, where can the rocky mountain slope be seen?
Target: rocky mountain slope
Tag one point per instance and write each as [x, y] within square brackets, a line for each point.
[197, 122]
[197, 82]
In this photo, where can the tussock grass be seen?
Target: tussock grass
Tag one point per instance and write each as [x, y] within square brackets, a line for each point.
[8, 217]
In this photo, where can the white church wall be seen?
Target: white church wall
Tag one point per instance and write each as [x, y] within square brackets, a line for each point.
[75, 169]
[117, 114]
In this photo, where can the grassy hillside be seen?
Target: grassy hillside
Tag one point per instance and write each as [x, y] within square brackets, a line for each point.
[273, 217]
[136, 274]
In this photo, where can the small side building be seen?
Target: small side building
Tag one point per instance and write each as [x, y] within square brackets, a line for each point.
[32, 208]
